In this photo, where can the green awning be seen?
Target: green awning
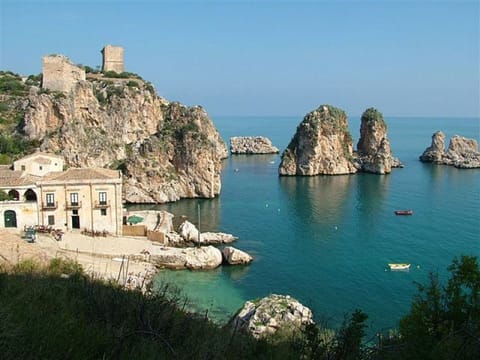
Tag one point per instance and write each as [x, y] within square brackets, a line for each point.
[134, 219]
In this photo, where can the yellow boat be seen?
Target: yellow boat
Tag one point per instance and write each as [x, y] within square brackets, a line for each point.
[399, 266]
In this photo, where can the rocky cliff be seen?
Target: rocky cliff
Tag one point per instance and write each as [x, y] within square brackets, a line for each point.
[321, 145]
[167, 151]
[374, 154]
[462, 152]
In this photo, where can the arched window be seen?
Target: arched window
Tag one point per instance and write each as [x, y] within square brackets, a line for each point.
[10, 219]
[14, 195]
[30, 195]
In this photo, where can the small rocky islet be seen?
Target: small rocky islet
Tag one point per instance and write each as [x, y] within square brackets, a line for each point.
[252, 145]
[462, 152]
[322, 145]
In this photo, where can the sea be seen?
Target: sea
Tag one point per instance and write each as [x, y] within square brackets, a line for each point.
[327, 240]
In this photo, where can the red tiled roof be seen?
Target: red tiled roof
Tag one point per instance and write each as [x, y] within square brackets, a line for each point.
[83, 174]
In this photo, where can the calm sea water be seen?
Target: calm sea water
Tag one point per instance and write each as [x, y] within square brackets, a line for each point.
[326, 240]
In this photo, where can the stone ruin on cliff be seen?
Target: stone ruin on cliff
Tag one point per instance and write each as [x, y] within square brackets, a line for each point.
[60, 74]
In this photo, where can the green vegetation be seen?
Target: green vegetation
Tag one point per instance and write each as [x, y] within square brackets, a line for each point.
[123, 75]
[56, 311]
[372, 115]
[34, 80]
[133, 83]
[12, 84]
[444, 320]
[13, 146]
[4, 196]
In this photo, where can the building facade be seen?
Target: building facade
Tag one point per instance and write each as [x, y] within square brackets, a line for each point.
[78, 198]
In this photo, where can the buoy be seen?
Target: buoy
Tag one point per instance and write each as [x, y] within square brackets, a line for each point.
[336, 227]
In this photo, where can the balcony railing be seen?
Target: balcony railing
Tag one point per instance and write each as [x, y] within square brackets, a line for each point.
[102, 204]
[73, 205]
[49, 205]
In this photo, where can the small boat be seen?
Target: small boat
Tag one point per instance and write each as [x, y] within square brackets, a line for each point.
[403, 212]
[399, 266]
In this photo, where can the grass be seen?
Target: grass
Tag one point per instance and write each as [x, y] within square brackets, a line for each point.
[46, 316]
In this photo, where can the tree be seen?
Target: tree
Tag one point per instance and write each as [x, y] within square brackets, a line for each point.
[444, 321]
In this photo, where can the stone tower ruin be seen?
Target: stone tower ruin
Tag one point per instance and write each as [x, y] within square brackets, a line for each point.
[113, 59]
[59, 74]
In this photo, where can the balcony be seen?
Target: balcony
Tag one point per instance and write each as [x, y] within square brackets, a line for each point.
[73, 205]
[101, 204]
[50, 205]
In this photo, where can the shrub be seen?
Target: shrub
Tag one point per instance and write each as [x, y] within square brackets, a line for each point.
[4, 107]
[4, 196]
[12, 85]
[132, 83]
[59, 266]
[28, 266]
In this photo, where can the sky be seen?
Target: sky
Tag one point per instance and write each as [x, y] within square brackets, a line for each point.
[280, 58]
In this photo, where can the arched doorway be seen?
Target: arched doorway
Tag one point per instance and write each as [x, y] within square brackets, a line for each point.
[30, 195]
[14, 195]
[10, 218]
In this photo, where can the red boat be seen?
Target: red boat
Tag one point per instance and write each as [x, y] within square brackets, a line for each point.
[403, 212]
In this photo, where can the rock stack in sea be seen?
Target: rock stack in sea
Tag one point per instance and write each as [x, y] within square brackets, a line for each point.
[462, 152]
[252, 145]
[322, 144]
[374, 154]
[273, 314]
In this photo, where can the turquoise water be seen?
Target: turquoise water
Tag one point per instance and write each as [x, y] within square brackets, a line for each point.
[327, 240]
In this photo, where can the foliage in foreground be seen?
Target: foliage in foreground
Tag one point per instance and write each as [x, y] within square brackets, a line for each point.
[444, 321]
[44, 314]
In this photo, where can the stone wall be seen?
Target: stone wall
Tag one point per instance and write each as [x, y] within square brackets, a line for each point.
[113, 59]
[59, 74]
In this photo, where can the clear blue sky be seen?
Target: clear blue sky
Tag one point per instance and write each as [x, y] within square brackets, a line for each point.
[407, 58]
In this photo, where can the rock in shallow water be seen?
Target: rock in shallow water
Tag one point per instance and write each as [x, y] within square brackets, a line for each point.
[272, 314]
[193, 258]
[234, 256]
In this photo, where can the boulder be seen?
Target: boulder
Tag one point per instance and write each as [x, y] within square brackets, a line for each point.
[190, 234]
[193, 258]
[203, 258]
[188, 231]
[252, 145]
[213, 238]
[272, 314]
[234, 256]
[322, 144]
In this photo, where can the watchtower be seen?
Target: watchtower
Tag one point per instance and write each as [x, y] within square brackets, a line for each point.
[113, 59]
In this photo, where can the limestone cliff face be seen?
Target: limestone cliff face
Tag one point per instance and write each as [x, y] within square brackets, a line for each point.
[167, 151]
[462, 152]
[374, 154]
[321, 145]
